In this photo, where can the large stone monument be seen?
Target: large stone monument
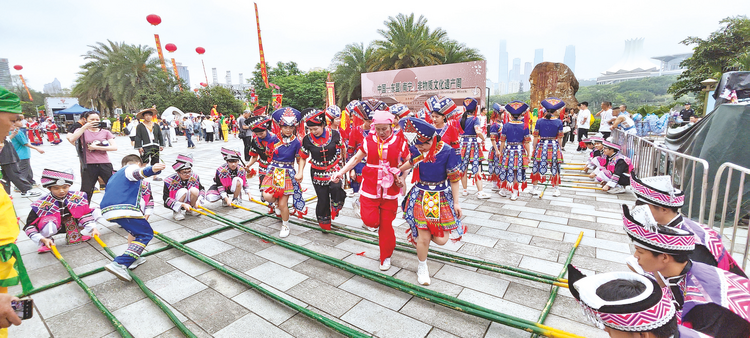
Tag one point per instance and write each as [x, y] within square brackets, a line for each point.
[553, 79]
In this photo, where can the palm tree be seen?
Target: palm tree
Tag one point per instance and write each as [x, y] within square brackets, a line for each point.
[348, 66]
[456, 52]
[131, 69]
[408, 43]
[93, 84]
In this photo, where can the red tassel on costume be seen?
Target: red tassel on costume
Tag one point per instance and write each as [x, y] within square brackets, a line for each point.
[430, 157]
[415, 175]
[325, 226]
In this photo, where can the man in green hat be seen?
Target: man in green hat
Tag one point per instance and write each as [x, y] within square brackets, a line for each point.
[10, 257]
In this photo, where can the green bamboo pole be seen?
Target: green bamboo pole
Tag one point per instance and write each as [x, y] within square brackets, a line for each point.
[458, 259]
[152, 252]
[151, 295]
[343, 329]
[116, 323]
[417, 291]
[553, 294]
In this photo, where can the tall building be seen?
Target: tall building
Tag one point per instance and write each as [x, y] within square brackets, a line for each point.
[229, 78]
[526, 76]
[515, 72]
[215, 76]
[5, 74]
[538, 56]
[53, 87]
[570, 57]
[242, 79]
[183, 72]
[502, 73]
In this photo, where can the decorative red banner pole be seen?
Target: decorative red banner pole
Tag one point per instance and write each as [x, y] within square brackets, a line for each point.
[18, 68]
[171, 48]
[155, 20]
[263, 70]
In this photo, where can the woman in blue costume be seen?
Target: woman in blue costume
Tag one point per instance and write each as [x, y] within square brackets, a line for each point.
[494, 154]
[515, 142]
[280, 182]
[471, 149]
[547, 154]
[431, 207]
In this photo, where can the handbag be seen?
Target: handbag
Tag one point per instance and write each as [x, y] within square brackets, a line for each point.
[566, 129]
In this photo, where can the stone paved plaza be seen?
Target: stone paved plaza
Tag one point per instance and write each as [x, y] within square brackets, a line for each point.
[530, 233]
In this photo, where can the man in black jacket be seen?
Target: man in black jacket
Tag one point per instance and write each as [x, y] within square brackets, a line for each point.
[148, 139]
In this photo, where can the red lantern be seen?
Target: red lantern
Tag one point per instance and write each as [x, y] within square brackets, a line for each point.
[153, 19]
[204, 84]
[200, 50]
[17, 67]
[170, 47]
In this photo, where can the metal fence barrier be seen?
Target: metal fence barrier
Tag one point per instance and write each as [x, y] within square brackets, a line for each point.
[650, 159]
[738, 209]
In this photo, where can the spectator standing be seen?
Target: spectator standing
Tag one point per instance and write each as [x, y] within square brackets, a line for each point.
[165, 132]
[96, 143]
[198, 128]
[605, 126]
[20, 140]
[686, 113]
[242, 133]
[583, 123]
[187, 126]
[148, 139]
[131, 130]
[216, 128]
[568, 126]
[208, 128]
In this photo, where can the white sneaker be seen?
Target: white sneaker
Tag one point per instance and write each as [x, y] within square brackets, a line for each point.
[137, 262]
[119, 270]
[557, 193]
[386, 264]
[369, 228]
[224, 203]
[503, 193]
[423, 275]
[355, 205]
[465, 193]
[616, 190]
[284, 231]
[514, 196]
[536, 191]
[483, 195]
[179, 215]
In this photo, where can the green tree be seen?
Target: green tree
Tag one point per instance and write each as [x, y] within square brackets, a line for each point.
[92, 83]
[720, 52]
[348, 65]
[408, 42]
[300, 89]
[456, 52]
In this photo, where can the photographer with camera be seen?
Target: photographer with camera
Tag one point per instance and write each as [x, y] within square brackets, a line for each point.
[95, 143]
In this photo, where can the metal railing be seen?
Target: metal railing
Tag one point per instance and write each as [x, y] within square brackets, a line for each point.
[650, 159]
[738, 207]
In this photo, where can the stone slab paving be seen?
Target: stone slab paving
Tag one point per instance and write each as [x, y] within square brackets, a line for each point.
[531, 233]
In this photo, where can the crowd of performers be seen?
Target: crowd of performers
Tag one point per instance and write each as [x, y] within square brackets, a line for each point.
[47, 127]
[683, 282]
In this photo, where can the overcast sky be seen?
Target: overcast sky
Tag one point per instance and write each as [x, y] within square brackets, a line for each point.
[49, 37]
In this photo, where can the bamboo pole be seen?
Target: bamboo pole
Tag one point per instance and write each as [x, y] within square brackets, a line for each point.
[418, 291]
[439, 255]
[94, 299]
[151, 295]
[343, 329]
[553, 294]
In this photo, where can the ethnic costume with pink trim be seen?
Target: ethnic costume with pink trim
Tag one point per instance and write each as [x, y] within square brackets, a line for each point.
[658, 190]
[471, 151]
[174, 185]
[226, 179]
[616, 171]
[493, 160]
[50, 216]
[429, 203]
[514, 161]
[279, 180]
[710, 300]
[643, 311]
[325, 154]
